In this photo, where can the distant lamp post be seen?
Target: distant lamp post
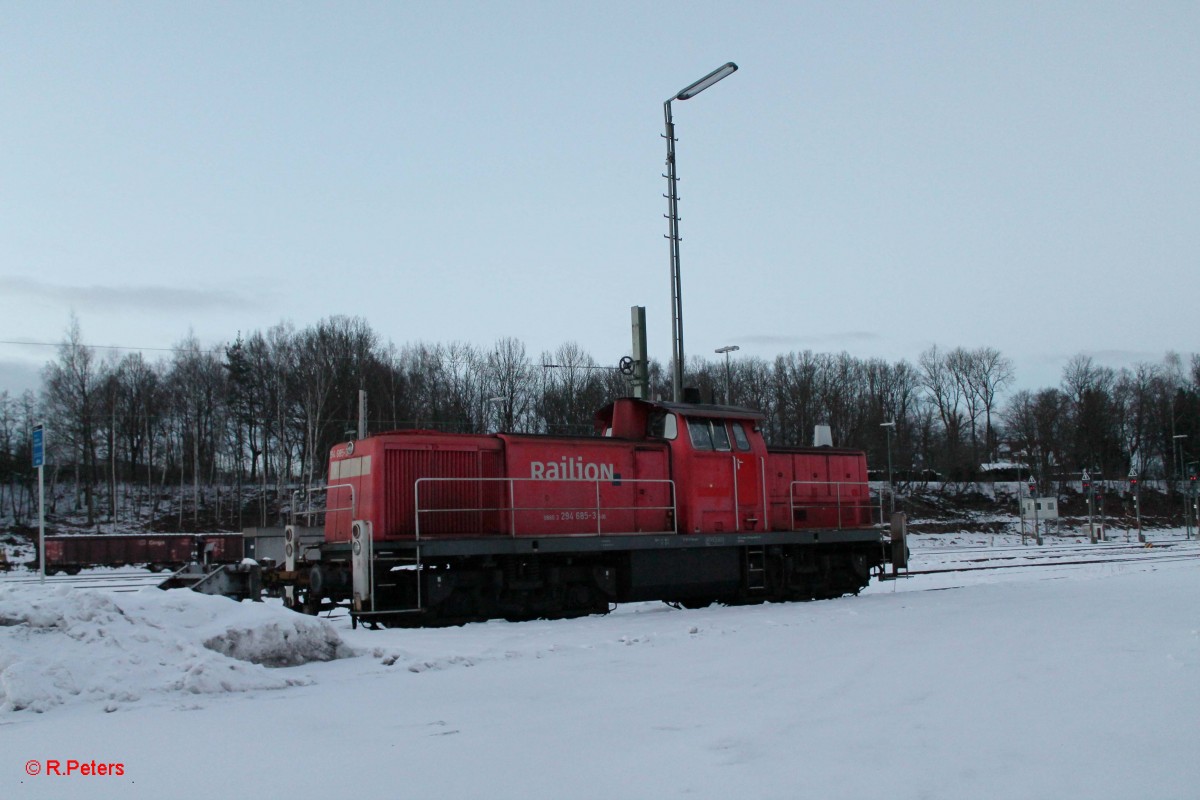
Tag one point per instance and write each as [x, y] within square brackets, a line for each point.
[891, 428]
[1178, 440]
[691, 91]
[727, 349]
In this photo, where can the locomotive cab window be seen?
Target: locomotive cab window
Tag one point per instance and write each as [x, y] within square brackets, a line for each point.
[707, 434]
[720, 436]
[739, 436]
[662, 425]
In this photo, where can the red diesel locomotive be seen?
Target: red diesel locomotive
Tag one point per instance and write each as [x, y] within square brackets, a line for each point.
[676, 502]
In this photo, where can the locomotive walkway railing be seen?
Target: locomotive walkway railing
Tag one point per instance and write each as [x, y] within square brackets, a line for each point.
[558, 520]
[845, 504]
[308, 513]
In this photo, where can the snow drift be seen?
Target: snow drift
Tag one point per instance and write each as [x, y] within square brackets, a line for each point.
[61, 645]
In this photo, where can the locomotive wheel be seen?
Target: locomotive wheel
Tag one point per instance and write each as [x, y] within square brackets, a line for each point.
[308, 603]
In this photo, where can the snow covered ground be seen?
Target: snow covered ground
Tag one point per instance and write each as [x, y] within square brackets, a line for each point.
[1061, 681]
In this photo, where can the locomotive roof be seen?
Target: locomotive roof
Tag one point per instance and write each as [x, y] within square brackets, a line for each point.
[691, 409]
[712, 410]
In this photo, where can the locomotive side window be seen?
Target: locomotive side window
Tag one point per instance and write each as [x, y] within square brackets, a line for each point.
[701, 433]
[720, 436]
[739, 436]
[662, 425]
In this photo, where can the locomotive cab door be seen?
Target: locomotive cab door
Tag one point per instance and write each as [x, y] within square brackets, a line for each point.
[748, 469]
[726, 477]
[653, 496]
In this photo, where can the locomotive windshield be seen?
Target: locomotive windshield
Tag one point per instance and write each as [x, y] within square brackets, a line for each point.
[708, 434]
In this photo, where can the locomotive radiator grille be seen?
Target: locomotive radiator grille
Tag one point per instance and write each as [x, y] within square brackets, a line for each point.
[472, 497]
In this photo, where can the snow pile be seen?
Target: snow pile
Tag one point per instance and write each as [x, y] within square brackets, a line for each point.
[61, 645]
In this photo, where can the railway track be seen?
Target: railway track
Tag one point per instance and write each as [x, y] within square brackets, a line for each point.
[976, 560]
[121, 582]
[1053, 547]
[924, 561]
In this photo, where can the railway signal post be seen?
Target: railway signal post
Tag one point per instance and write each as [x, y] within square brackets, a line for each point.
[1136, 490]
[1189, 511]
[1087, 492]
[1033, 502]
[1194, 502]
[39, 461]
[1177, 442]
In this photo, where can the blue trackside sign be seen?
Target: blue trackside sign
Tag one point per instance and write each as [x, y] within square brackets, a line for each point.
[39, 446]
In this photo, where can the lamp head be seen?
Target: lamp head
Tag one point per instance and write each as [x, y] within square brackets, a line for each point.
[708, 80]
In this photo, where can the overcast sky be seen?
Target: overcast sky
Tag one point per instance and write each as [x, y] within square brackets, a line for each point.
[875, 178]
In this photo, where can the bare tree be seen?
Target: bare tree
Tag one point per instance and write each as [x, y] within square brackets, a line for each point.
[753, 384]
[945, 393]
[571, 390]
[334, 360]
[960, 363]
[1094, 422]
[197, 382]
[1037, 424]
[11, 474]
[510, 380]
[71, 386]
[463, 367]
[991, 373]
[796, 407]
[891, 396]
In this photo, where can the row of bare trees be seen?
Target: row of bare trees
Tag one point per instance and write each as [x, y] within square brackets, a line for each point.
[1143, 421]
[204, 426]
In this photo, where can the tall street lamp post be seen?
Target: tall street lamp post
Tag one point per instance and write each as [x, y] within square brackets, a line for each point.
[727, 349]
[687, 93]
[890, 427]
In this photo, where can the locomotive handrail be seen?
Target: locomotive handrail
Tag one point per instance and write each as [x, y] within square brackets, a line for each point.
[853, 503]
[310, 512]
[512, 508]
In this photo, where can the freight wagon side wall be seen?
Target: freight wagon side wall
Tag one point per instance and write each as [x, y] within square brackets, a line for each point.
[818, 488]
[130, 549]
[54, 551]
